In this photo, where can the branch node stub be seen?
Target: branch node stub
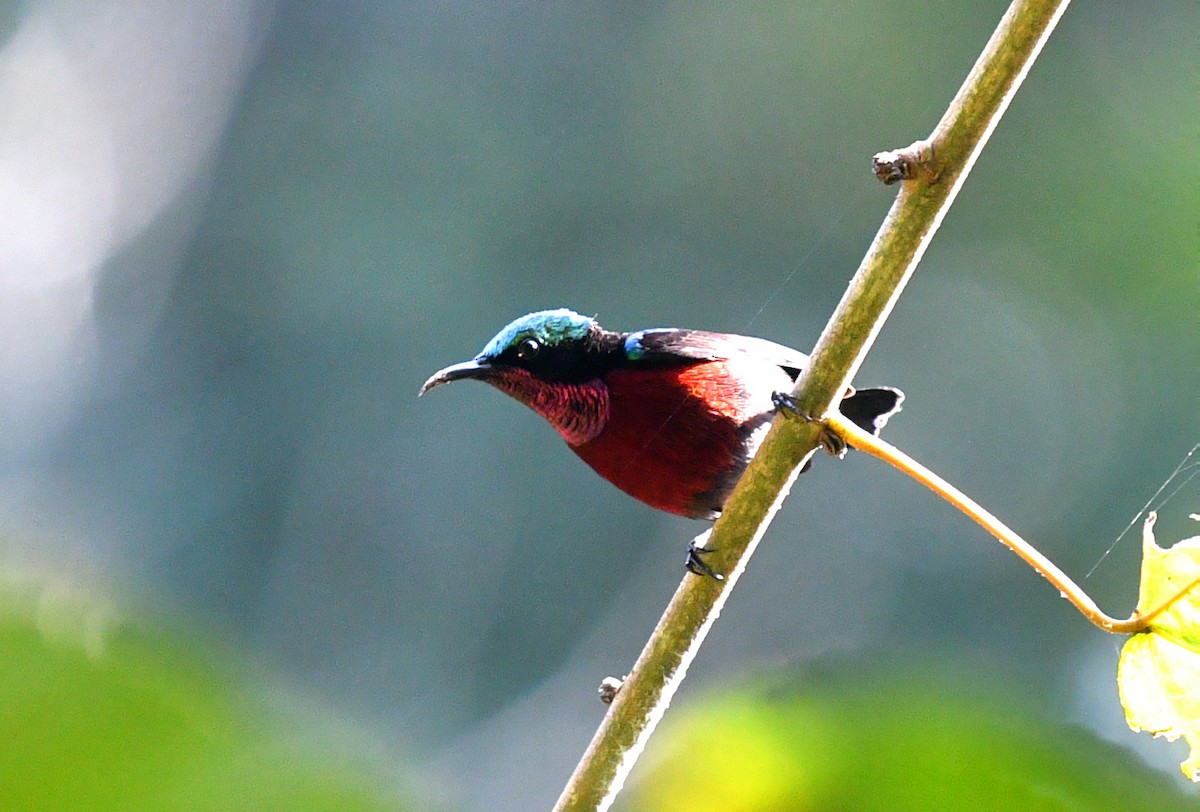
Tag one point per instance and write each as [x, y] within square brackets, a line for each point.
[909, 163]
[609, 688]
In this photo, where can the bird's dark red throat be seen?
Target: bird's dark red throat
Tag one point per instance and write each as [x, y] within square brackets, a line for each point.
[670, 416]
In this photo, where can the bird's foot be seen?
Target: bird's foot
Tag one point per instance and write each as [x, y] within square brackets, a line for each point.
[830, 441]
[696, 564]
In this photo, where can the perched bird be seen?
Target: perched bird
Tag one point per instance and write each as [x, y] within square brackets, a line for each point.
[671, 417]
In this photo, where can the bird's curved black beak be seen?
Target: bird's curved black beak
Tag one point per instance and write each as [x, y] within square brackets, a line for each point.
[475, 368]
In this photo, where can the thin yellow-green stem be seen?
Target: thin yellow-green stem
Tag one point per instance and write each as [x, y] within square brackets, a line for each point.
[939, 167]
[881, 449]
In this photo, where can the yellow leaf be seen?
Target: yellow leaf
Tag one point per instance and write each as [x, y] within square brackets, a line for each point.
[1159, 670]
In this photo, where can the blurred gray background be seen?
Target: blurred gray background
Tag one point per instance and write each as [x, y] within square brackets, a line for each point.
[236, 236]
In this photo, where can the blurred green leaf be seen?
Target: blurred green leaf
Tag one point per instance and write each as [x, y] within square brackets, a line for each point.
[891, 741]
[99, 714]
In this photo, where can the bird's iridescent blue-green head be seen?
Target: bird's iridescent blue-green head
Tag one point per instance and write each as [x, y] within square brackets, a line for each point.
[520, 345]
[547, 327]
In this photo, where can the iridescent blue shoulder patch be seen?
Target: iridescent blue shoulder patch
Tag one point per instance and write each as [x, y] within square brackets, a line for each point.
[633, 346]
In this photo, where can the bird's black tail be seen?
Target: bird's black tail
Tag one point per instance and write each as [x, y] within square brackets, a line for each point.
[871, 408]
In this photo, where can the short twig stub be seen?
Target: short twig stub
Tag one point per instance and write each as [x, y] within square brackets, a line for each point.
[609, 687]
[904, 164]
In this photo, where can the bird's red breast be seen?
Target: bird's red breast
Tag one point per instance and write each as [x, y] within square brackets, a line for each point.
[676, 437]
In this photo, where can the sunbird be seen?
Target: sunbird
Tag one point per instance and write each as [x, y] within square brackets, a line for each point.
[672, 417]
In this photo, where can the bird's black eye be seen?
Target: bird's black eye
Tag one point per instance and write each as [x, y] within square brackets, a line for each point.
[528, 349]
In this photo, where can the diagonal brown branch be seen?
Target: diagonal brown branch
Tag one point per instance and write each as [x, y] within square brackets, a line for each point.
[936, 169]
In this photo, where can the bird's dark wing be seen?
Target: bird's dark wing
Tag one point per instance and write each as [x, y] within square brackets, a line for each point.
[668, 344]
